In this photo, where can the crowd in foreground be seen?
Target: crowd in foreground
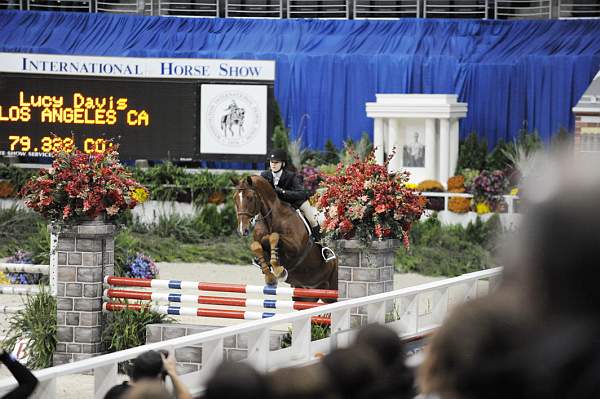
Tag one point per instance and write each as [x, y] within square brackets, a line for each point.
[535, 336]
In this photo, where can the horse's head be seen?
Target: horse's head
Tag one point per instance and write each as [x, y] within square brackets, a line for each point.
[247, 203]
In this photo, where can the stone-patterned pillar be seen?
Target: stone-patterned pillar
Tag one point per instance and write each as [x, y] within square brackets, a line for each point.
[85, 254]
[365, 270]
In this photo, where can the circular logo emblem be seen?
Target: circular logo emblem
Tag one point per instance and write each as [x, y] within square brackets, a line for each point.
[233, 118]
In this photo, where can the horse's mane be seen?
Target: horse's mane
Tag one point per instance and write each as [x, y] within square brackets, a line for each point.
[264, 187]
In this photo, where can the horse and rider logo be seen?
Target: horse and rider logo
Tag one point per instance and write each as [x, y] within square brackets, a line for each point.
[234, 118]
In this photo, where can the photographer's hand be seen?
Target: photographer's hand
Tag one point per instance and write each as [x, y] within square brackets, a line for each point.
[170, 367]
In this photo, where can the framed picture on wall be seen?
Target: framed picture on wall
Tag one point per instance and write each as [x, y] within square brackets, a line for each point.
[234, 121]
[413, 152]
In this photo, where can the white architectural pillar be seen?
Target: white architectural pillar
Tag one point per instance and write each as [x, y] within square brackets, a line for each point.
[430, 154]
[394, 134]
[378, 140]
[454, 128]
[444, 150]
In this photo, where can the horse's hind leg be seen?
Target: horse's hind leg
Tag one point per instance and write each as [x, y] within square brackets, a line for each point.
[257, 249]
[278, 270]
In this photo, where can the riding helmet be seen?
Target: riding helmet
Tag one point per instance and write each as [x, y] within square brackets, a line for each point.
[278, 155]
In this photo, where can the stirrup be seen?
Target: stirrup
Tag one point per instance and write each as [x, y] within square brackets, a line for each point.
[324, 251]
[255, 263]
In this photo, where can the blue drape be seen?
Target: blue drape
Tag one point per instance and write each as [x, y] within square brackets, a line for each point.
[512, 73]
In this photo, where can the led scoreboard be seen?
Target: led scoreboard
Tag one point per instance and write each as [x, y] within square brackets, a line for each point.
[149, 119]
[154, 108]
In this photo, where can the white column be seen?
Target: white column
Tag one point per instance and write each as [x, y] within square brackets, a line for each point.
[431, 164]
[453, 145]
[394, 140]
[386, 136]
[378, 139]
[444, 151]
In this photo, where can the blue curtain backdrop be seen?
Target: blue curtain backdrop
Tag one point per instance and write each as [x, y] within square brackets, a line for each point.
[510, 72]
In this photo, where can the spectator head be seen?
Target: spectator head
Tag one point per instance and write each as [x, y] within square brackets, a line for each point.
[384, 341]
[118, 391]
[557, 248]
[236, 380]
[306, 382]
[352, 370]
[148, 389]
[148, 365]
[476, 353]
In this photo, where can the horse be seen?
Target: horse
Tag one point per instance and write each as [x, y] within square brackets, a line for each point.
[281, 242]
[235, 117]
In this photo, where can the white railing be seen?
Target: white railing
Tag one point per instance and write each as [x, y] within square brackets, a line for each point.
[456, 9]
[523, 9]
[387, 9]
[418, 310]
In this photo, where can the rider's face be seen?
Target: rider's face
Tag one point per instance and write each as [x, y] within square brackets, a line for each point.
[276, 166]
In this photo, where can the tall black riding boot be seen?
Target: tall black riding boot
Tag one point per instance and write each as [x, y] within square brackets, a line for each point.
[316, 233]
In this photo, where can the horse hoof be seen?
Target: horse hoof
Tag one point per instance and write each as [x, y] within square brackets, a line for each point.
[271, 280]
[283, 277]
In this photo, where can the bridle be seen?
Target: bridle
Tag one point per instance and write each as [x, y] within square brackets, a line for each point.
[257, 216]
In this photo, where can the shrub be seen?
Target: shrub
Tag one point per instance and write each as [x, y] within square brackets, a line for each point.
[317, 332]
[37, 322]
[438, 250]
[488, 188]
[472, 153]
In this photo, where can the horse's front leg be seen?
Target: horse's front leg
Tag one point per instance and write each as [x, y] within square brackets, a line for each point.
[278, 270]
[257, 250]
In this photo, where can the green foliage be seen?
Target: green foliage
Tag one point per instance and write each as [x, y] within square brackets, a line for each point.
[39, 244]
[439, 250]
[472, 153]
[331, 153]
[17, 176]
[127, 329]
[317, 332]
[37, 322]
[497, 159]
[361, 149]
[523, 148]
[280, 138]
[16, 226]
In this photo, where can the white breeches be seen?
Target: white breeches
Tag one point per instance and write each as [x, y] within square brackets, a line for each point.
[310, 213]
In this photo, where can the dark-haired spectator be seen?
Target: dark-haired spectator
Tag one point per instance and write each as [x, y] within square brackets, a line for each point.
[27, 381]
[352, 370]
[236, 380]
[396, 380]
[118, 391]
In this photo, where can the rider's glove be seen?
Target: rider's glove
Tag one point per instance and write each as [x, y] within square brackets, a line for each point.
[279, 190]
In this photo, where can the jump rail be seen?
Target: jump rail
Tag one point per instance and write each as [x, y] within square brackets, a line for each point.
[219, 287]
[420, 310]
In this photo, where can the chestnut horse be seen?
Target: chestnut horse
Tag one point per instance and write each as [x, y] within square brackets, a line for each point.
[281, 241]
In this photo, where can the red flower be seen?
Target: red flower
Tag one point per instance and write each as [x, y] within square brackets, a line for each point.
[380, 208]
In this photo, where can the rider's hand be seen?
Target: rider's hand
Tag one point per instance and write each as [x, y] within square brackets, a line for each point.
[279, 190]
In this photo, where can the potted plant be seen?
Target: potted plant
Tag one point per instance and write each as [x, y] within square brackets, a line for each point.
[487, 190]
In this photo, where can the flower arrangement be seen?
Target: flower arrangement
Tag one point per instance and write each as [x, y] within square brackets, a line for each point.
[488, 188]
[6, 189]
[459, 204]
[433, 203]
[456, 184]
[362, 200]
[311, 178]
[80, 185]
[22, 278]
[142, 266]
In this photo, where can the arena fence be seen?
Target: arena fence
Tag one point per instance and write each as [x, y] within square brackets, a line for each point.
[342, 9]
[418, 310]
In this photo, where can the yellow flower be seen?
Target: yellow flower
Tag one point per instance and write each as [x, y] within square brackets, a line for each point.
[3, 279]
[514, 191]
[139, 194]
[482, 208]
[411, 186]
